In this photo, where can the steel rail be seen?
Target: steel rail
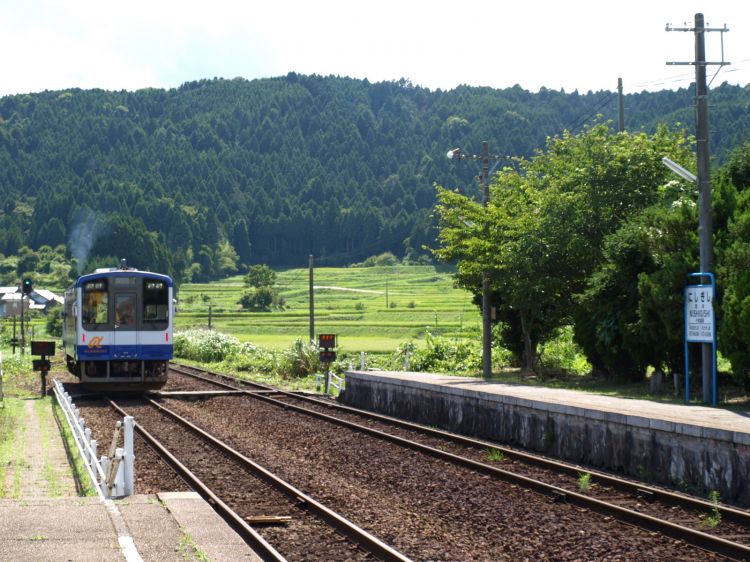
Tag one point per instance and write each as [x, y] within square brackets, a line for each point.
[365, 540]
[696, 538]
[638, 489]
[250, 535]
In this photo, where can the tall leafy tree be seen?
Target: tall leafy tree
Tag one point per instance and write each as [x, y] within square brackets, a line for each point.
[541, 236]
[734, 274]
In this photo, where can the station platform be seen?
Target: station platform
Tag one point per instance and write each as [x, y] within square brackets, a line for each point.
[46, 519]
[169, 527]
[693, 448]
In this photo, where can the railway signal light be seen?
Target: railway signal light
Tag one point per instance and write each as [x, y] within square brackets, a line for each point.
[42, 365]
[28, 286]
[327, 356]
[326, 341]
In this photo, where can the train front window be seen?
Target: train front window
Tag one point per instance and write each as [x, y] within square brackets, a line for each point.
[95, 306]
[155, 302]
[125, 309]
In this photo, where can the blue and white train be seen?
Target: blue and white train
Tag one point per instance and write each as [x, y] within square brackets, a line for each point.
[117, 328]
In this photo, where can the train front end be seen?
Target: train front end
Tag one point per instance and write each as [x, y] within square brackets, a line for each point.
[117, 329]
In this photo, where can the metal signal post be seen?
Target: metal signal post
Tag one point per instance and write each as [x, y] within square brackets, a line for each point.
[326, 343]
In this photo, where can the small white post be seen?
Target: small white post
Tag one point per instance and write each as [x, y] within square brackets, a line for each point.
[94, 453]
[362, 361]
[88, 440]
[406, 357]
[115, 439]
[129, 475]
[119, 483]
[104, 462]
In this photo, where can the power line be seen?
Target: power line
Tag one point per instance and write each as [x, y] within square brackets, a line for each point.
[589, 113]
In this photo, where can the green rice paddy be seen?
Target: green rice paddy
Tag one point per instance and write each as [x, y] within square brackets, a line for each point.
[371, 309]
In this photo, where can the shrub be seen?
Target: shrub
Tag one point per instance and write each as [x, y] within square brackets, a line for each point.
[562, 352]
[54, 324]
[259, 299]
[299, 360]
[205, 345]
[260, 276]
[447, 355]
[384, 259]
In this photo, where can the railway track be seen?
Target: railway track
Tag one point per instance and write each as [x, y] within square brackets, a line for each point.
[678, 516]
[293, 525]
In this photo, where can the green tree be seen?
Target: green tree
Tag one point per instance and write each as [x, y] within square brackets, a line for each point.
[260, 276]
[630, 315]
[53, 323]
[541, 235]
[226, 258]
[733, 271]
[258, 299]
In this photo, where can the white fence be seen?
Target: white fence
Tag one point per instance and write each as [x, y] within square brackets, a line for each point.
[333, 381]
[111, 475]
[405, 354]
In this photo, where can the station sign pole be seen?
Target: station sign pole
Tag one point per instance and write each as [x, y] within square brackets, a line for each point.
[700, 325]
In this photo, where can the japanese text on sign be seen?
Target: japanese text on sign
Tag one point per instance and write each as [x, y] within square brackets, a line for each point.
[699, 314]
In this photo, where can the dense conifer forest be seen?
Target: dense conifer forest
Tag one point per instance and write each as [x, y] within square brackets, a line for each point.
[201, 180]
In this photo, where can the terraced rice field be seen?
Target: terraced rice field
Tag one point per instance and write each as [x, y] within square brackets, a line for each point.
[371, 309]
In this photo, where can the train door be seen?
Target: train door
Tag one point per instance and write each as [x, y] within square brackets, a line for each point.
[125, 333]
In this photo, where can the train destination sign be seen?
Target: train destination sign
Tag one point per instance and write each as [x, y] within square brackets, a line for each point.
[699, 314]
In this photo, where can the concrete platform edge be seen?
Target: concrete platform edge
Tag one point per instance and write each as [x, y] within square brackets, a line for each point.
[690, 448]
[740, 438]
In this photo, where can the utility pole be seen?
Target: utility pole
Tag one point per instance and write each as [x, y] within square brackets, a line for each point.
[705, 225]
[23, 334]
[486, 300]
[486, 303]
[312, 300]
[621, 105]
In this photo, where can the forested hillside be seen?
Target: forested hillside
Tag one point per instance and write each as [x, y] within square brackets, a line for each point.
[199, 180]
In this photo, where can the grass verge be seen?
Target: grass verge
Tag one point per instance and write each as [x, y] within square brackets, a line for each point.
[53, 480]
[8, 422]
[80, 474]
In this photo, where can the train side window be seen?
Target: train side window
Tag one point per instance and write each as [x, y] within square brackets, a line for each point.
[155, 302]
[95, 306]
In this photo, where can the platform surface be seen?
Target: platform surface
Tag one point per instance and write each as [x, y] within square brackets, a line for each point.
[700, 421]
[166, 527]
[44, 520]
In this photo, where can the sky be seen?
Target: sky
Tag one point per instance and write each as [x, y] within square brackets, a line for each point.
[573, 45]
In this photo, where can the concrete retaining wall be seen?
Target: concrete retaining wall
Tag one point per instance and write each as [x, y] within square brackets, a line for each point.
[686, 457]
